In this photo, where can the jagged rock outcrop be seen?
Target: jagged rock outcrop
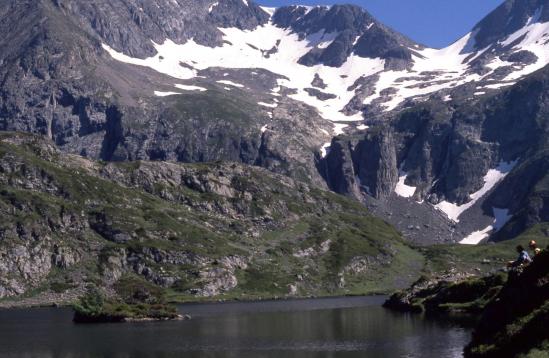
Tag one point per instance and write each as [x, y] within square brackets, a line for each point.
[139, 22]
[446, 150]
[355, 31]
[507, 19]
[369, 165]
[378, 169]
[450, 294]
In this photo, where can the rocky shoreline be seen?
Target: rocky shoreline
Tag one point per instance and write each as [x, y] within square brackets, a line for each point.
[451, 293]
[62, 300]
[512, 307]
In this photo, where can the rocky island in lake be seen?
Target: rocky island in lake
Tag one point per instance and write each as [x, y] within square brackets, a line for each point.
[136, 301]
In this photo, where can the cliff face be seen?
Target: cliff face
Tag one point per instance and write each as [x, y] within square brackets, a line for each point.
[445, 151]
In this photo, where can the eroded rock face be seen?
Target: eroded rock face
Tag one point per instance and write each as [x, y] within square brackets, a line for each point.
[356, 32]
[445, 152]
[24, 265]
[139, 21]
[508, 18]
[217, 280]
[314, 251]
[155, 265]
[221, 278]
[369, 165]
[361, 264]
[448, 293]
[58, 81]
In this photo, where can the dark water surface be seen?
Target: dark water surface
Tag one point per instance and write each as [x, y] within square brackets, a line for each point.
[332, 327]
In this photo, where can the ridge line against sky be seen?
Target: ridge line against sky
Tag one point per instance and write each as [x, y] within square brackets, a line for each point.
[435, 23]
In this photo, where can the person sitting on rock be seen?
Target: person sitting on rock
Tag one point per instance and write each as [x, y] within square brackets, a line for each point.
[534, 247]
[522, 259]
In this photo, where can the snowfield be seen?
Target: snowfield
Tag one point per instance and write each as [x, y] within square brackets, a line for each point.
[278, 50]
[501, 217]
[247, 49]
[491, 179]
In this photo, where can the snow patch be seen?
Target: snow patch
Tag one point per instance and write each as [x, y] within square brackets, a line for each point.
[230, 83]
[499, 85]
[269, 10]
[501, 217]
[269, 105]
[325, 149]
[190, 88]
[164, 61]
[477, 236]
[406, 191]
[339, 127]
[449, 61]
[493, 177]
[164, 94]
[212, 6]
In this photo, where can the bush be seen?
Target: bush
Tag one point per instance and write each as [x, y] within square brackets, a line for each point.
[90, 305]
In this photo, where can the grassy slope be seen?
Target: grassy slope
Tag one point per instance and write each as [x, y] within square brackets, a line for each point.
[481, 258]
[44, 187]
[300, 218]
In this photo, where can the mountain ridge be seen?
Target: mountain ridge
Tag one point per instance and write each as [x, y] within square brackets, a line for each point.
[232, 81]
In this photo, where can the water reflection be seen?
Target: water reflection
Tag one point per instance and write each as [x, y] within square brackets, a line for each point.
[343, 327]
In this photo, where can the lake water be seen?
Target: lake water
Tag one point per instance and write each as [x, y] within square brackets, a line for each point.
[331, 327]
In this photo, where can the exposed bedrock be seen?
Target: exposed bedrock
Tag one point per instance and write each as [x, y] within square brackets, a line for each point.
[447, 152]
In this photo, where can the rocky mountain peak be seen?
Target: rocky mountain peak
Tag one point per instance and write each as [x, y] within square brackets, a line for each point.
[310, 20]
[131, 26]
[242, 14]
[353, 30]
[508, 18]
